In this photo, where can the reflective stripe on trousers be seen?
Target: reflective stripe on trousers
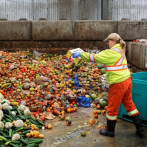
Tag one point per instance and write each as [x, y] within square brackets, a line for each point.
[111, 117]
[132, 112]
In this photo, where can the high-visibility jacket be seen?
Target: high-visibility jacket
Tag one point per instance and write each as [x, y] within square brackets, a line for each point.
[111, 58]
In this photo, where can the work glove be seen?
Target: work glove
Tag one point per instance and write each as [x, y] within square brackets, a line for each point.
[76, 54]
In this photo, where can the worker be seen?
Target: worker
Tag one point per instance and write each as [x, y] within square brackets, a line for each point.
[119, 80]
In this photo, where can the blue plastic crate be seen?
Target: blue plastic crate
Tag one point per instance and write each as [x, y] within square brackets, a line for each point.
[139, 97]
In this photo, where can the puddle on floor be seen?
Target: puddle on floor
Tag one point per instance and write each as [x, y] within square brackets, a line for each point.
[66, 137]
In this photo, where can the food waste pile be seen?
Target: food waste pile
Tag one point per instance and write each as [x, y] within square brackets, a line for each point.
[37, 86]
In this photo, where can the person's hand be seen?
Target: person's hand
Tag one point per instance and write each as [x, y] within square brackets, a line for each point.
[76, 54]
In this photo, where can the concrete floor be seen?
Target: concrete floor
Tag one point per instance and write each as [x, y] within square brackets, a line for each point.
[69, 136]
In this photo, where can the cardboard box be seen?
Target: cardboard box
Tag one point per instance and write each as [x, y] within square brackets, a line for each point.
[70, 52]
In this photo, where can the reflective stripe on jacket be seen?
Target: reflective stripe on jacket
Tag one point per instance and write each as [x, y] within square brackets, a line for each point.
[119, 64]
[109, 57]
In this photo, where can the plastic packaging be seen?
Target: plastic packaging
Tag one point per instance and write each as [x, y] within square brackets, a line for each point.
[84, 101]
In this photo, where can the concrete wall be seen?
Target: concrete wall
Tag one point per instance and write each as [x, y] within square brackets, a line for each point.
[128, 51]
[52, 30]
[15, 30]
[93, 30]
[137, 54]
[65, 30]
[131, 30]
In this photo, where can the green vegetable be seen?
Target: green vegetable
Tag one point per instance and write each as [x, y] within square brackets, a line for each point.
[13, 145]
[50, 55]
[33, 122]
[9, 111]
[102, 71]
[7, 143]
[24, 141]
[17, 118]
[25, 132]
[103, 104]
[31, 117]
[40, 122]
[8, 137]
[16, 141]
[18, 130]
[13, 109]
[2, 133]
[18, 111]
[33, 145]
[3, 121]
[21, 145]
[3, 102]
[8, 120]
[83, 133]
[1, 137]
[40, 126]
[8, 116]
[10, 132]
[31, 141]
[23, 117]
[13, 132]
[27, 128]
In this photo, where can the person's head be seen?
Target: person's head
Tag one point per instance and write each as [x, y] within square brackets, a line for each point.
[113, 39]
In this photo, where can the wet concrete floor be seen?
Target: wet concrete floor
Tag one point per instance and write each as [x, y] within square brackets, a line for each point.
[62, 135]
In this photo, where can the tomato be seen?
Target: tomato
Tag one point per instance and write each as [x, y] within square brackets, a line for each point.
[20, 67]
[43, 103]
[46, 126]
[3, 93]
[22, 70]
[32, 99]
[30, 78]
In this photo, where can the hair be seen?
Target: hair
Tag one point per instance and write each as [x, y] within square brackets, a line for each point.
[123, 44]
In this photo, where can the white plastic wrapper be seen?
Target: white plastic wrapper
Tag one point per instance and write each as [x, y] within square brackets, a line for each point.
[1, 97]
[37, 53]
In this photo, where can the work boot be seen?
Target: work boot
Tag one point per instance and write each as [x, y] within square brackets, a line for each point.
[139, 130]
[110, 128]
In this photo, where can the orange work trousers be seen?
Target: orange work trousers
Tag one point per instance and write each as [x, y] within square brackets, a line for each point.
[120, 92]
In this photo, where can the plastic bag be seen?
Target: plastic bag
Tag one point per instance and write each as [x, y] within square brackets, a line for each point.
[37, 53]
[25, 92]
[32, 84]
[76, 81]
[47, 96]
[43, 79]
[26, 86]
[84, 101]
